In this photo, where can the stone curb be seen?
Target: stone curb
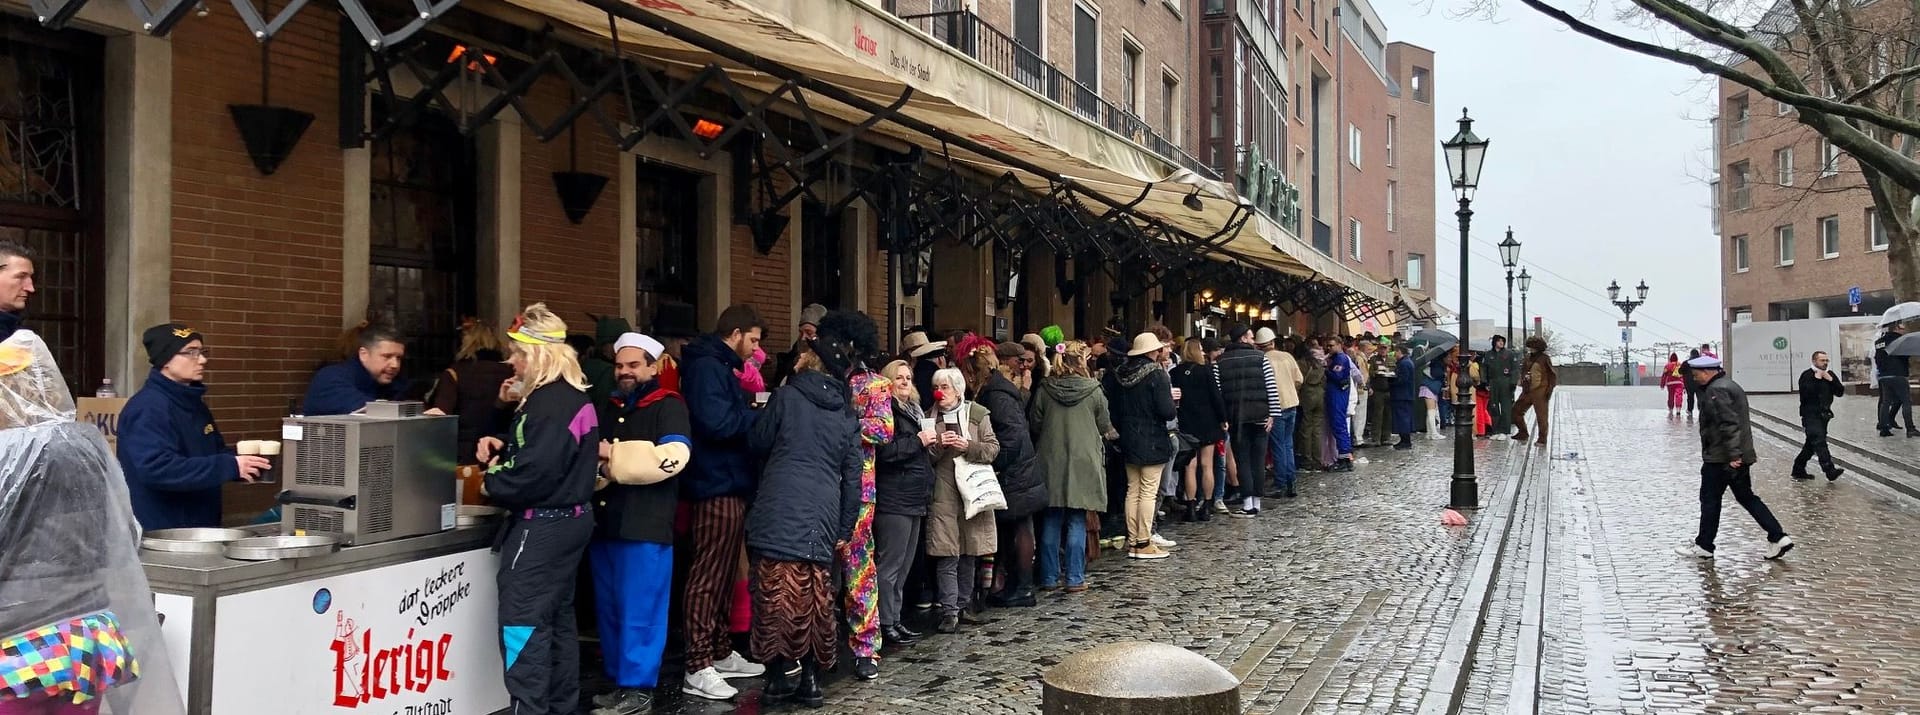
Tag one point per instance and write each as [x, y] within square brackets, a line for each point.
[1449, 681]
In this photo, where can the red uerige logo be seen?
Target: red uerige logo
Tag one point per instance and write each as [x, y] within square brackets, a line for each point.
[362, 674]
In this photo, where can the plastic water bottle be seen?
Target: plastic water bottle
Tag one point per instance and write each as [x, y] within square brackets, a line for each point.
[106, 389]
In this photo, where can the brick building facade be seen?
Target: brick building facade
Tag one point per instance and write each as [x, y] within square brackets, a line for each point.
[1793, 216]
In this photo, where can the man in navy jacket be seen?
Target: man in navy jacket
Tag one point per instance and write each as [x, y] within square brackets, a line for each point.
[173, 455]
[717, 485]
[374, 374]
[1404, 390]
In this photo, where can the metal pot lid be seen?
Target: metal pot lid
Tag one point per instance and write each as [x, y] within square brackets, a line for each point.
[202, 535]
[268, 548]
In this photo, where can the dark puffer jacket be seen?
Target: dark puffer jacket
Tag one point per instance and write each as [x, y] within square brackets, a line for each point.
[903, 469]
[717, 408]
[1142, 401]
[809, 493]
[1018, 468]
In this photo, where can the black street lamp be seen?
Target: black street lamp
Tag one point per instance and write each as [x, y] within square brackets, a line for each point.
[1509, 257]
[1465, 152]
[1526, 281]
[1626, 307]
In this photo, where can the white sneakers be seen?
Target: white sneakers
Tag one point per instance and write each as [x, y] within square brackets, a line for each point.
[1775, 549]
[708, 684]
[1694, 550]
[1162, 541]
[711, 682]
[737, 666]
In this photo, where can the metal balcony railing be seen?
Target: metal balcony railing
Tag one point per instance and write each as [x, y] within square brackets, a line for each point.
[965, 31]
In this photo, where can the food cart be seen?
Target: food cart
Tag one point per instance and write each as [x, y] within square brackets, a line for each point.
[392, 609]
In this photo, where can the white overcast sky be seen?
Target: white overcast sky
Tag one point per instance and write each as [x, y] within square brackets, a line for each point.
[1599, 162]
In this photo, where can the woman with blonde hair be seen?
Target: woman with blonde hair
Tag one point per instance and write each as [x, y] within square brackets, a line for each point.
[1071, 427]
[543, 472]
[955, 541]
[1203, 424]
[470, 387]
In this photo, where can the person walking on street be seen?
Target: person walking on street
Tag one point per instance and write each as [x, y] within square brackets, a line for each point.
[1818, 387]
[1501, 369]
[1142, 405]
[1675, 385]
[1727, 456]
[717, 486]
[1287, 379]
[1896, 396]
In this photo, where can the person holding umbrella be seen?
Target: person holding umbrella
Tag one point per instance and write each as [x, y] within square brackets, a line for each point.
[1896, 396]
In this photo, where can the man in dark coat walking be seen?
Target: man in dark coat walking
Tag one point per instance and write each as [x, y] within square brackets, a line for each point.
[1818, 387]
[1727, 456]
[1500, 368]
[645, 430]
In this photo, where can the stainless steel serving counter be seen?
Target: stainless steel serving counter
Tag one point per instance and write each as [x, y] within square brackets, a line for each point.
[407, 625]
[184, 573]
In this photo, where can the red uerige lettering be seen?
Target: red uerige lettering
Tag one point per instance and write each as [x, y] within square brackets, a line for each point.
[363, 675]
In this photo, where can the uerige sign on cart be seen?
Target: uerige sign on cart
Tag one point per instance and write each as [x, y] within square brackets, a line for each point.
[409, 639]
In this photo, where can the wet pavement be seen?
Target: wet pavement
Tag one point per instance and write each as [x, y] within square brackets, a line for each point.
[1339, 601]
[1630, 627]
[1561, 596]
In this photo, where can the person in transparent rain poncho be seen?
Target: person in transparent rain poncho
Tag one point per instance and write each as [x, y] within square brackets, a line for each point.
[78, 632]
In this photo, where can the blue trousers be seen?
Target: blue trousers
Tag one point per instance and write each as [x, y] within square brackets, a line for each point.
[1280, 440]
[1074, 522]
[1220, 471]
[632, 585]
[1337, 421]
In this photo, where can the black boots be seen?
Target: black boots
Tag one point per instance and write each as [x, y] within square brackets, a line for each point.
[1015, 596]
[779, 685]
[898, 635]
[1189, 511]
[810, 693]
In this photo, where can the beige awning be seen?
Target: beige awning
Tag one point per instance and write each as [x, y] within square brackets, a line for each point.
[871, 53]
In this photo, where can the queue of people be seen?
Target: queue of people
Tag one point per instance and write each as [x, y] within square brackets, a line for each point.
[852, 490]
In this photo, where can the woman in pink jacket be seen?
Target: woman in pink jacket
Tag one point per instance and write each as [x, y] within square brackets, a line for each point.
[1673, 383]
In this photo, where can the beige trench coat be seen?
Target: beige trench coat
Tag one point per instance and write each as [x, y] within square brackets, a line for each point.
[949, 531]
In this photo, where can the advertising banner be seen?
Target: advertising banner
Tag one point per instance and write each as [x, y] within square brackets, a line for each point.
[409, 639]
[1762, 356]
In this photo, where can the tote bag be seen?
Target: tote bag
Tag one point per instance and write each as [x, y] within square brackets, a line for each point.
[979, 487]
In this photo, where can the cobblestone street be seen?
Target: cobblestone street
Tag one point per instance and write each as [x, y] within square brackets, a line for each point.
[1630, 627]
[1562, 596]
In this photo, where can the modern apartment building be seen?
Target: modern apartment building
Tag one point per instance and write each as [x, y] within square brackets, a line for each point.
[1794, 218]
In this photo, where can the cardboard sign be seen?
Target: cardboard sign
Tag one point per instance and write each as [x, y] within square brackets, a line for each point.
[103, 413]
